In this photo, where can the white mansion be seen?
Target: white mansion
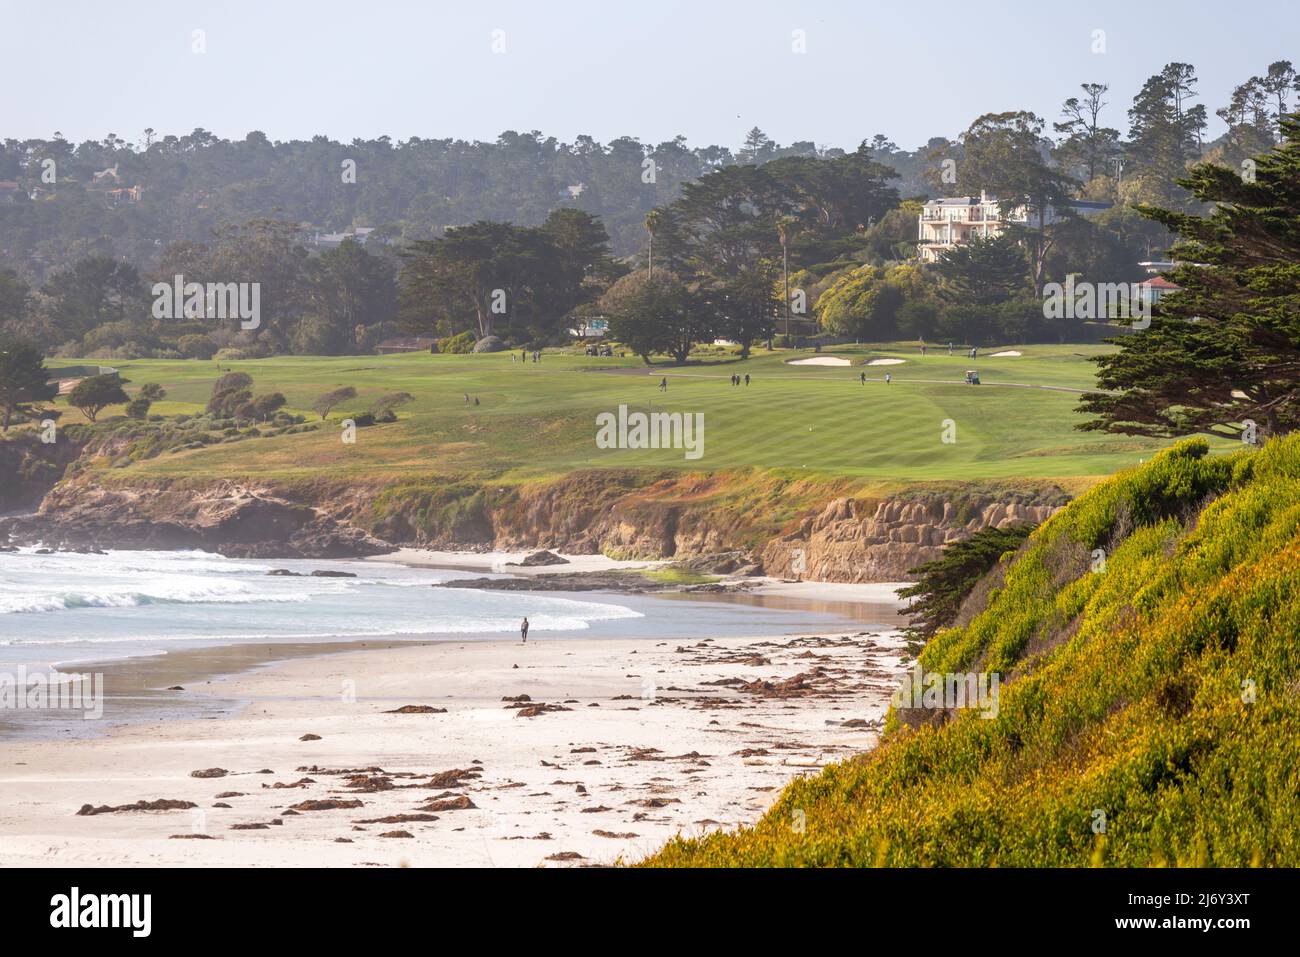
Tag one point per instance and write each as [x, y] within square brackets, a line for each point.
[953, 221]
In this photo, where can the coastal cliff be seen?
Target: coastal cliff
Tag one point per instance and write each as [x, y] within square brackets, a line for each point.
[865, 541]
[822, 531]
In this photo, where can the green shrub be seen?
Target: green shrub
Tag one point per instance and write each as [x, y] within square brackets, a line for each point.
[460, 344]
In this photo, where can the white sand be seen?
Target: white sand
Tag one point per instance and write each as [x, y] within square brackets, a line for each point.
[651, 695]
[821, 361]
[1003, 354]
[886, 362]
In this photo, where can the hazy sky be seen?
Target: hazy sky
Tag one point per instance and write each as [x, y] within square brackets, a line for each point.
[707, 69]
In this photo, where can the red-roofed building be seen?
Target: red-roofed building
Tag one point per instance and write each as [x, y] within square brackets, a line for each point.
[1153, 290]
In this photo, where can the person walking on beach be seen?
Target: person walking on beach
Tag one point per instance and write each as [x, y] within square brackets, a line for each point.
[523, 630]
[663, 384]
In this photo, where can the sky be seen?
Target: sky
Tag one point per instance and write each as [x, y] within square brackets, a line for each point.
[831, 71]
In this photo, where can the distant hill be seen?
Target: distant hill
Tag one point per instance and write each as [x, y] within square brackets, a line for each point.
[115, 199]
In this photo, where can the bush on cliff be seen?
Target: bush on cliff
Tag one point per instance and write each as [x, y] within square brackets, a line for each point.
[943, 585]
[1146, 640]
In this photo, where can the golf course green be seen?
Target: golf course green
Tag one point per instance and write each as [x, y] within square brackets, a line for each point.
[538, 419]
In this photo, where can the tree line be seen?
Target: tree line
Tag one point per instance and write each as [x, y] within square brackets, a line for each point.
[699, 244]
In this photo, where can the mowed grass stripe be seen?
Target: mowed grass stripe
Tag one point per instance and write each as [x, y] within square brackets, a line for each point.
[539, 419]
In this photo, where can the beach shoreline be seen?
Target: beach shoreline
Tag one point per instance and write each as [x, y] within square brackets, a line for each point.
[618, 744]
[145, 679]
[621, 744]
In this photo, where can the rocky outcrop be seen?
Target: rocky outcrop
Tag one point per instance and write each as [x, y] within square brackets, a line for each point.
[853, 541]
[540, 559]
[225, 517]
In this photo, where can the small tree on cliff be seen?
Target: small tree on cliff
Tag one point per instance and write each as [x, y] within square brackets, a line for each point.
[95, 393]
[943, 584]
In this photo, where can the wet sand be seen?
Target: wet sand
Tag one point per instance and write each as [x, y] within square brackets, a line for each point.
[621, 744]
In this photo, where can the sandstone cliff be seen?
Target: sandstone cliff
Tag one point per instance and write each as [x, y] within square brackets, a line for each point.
[853, 541]
[824, 532]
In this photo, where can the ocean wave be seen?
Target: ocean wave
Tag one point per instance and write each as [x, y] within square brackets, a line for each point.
[70, 600]
[130, 561]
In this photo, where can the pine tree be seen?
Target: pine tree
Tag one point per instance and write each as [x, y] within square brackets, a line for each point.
[1226, 348]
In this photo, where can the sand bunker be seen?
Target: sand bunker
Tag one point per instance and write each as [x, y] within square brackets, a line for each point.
[1008, 352]
[886, 362]
[821, 361]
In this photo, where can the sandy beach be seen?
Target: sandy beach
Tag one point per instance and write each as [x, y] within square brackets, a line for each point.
[418, 755]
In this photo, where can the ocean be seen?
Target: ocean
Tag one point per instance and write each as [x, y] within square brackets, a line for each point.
[62, 609]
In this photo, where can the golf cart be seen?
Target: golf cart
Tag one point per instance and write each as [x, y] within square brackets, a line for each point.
[972, 377]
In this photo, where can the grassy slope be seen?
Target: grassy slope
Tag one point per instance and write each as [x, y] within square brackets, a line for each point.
[538, 420]
[1125, 691]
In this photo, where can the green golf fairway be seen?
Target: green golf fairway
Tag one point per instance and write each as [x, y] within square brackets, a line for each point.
[539, 419]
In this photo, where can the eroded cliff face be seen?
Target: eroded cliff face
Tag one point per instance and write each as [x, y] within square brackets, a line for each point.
[669, 518]
[231, 518]
[792, 530]
[852, 541]
[29, 468]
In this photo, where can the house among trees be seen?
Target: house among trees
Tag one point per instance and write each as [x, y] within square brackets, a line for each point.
[127, 194]
[953, 221]
[1153, 290]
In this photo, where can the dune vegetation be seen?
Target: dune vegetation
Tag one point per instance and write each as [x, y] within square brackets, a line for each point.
[1145, 640]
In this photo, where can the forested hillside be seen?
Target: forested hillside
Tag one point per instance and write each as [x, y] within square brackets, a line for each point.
[190, 185]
